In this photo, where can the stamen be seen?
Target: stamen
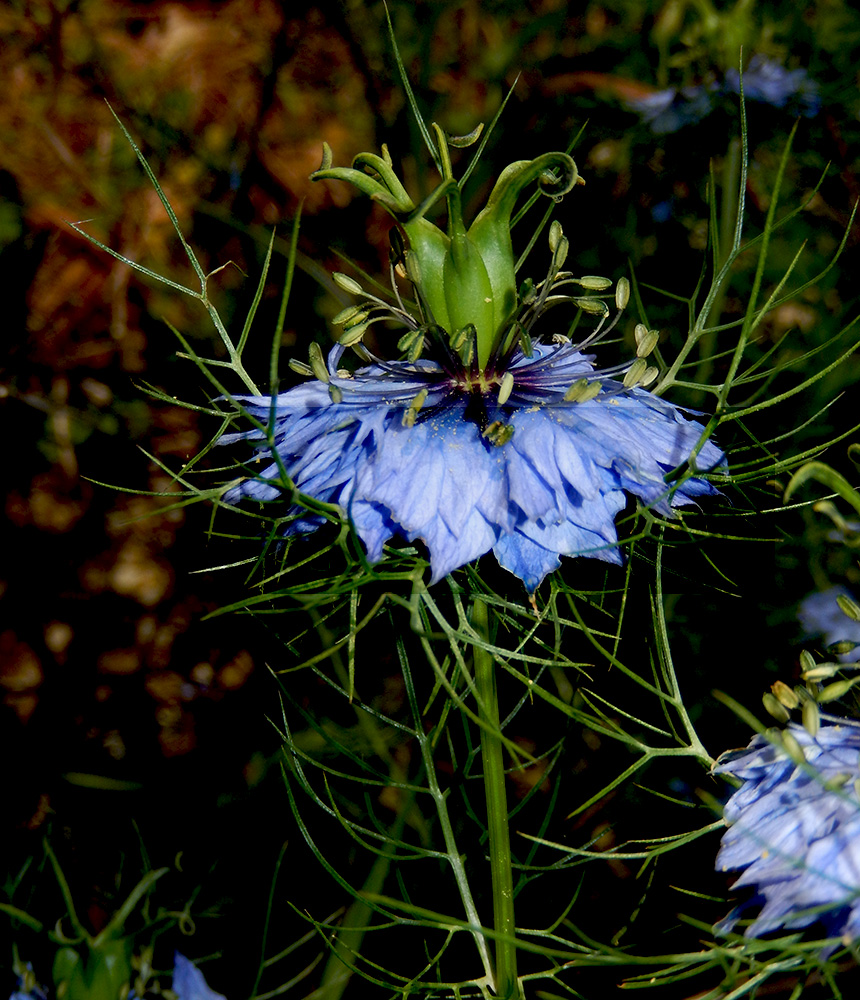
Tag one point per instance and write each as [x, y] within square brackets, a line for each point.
[345, 315]
[582, 391]
[347, 284]
[506, 388]
[622, 294]
[318, 365]
[300, 367]
[593, 282]
[335, 394]
[498, 434]
[635, 373]
[597, 307]
[646, 340]
[416, 404]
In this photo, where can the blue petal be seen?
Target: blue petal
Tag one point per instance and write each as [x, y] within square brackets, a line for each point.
[552, 489]
[188, 981]
[795, 831]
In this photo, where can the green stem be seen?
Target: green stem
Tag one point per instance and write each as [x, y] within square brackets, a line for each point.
[504, 923]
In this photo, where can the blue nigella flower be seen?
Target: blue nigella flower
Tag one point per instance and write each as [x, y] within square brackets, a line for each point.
[532, 478]
[771, 83]
[188, 984]
[669, 110]
[794, 829]
[188, 981]
[482, 438]
[820, 615]
[765, 81]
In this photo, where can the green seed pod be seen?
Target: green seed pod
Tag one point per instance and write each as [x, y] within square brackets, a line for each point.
[346, 283]
[773, 707]
[622, 294]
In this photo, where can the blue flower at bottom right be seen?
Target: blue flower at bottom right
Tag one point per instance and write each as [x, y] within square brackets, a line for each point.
[794, 829]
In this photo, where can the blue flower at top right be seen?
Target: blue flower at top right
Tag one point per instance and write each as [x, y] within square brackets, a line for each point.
[794, 831]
